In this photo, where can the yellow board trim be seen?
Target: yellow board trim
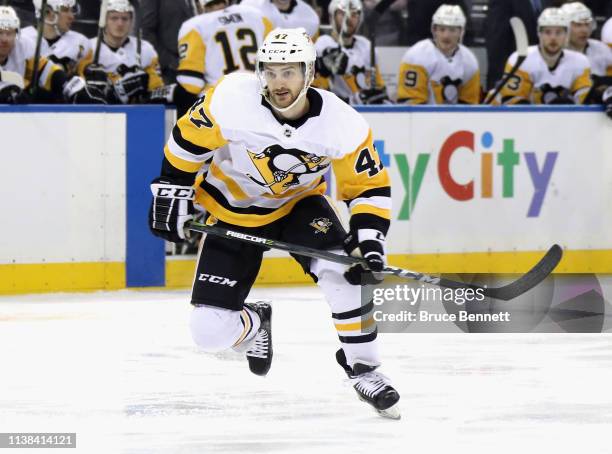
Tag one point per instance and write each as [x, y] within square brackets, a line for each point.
[52, 277]
[55, 277]
[286, 271]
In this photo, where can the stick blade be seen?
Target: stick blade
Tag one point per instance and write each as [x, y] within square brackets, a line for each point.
[520, 36]
[529, 280]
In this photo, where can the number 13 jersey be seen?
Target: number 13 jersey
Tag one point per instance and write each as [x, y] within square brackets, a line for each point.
[218, 43]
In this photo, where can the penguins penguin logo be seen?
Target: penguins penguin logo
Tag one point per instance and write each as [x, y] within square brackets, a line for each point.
[321, 225]
[280, 168]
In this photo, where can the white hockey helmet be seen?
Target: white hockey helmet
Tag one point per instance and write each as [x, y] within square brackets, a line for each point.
[450, 16]
[286, 45]
[56, 5]
[9, 19]
[553, 17]
[121, 6]
[579, 13]
[344, 5]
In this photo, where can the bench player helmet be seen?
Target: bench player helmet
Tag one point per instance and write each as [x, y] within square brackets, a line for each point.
[56, 5]
[348, 6]
[579, 13]
[9, 19]
[449, 16]
[553, 17]
[121, 6]
[286, 45]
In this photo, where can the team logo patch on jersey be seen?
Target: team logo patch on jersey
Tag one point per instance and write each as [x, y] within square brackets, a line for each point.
[280, 168]
[321, 225]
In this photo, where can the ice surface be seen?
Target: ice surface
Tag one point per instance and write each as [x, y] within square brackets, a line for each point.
[120, 369]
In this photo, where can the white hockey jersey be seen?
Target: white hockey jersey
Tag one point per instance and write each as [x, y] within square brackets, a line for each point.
[112, 60]
[21, 61]
[427, 76]
[300, 14]
[536, 82]
[253, 168]
[68, 50]
[357, 76]
[218, 43]
[606, 32]
[600, 58]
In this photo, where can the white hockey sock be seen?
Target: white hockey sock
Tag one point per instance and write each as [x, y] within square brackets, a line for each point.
[215, 329]
[356, 332]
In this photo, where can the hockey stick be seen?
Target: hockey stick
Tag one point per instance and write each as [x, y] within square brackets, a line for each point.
[372, 20]
[101, 25]
[39, 36]
[523, 284]
[522, 44]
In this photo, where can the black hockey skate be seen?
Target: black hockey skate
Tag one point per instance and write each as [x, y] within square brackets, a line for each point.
[259, 353]
[372, 387]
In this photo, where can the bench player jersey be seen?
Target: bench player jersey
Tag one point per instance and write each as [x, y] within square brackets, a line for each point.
[427, 76]
[68, 50]
[357, 68]
[218, 43]
[600, 58]
[300, 14]
[606, 33]
[252, 168]
[127, 56]
[21, 61]
[535, 81]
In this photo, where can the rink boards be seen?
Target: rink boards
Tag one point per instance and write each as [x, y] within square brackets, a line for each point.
[474, 190]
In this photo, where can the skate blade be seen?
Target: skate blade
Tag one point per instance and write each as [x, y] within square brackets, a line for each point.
[392, 412]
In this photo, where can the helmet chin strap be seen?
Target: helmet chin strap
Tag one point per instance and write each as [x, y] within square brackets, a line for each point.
[266, 95]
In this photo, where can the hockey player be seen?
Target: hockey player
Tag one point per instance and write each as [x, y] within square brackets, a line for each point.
[253, 151]
[442, 70]
[581, 28]
[599, 55]
[131, 67]
[222, 40]
[60, 44]
[606, 32]
[17, 61]
[343, 63]
[549, 74]
[288, 14]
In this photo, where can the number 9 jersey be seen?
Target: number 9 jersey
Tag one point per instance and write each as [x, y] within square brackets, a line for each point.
[427, 76]
[214, 44]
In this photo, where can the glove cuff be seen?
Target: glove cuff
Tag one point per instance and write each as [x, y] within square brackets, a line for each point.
[165, 188]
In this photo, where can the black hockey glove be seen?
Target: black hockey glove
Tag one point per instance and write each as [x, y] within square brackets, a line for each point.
[333, 62]
[369, 244]
[374, 96]
[11, 94]
[76, 91]
[131, 86]
[95, 73]
[607, 101]
[171, 208]
[162, 95]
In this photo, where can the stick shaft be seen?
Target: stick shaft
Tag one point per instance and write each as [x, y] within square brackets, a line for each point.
[39, 35]
[526, 282]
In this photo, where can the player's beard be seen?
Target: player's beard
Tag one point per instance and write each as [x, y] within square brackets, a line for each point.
[552, 50]
[283, 97]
